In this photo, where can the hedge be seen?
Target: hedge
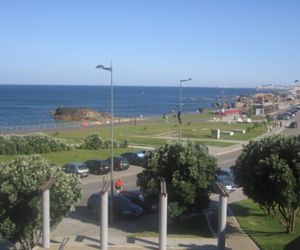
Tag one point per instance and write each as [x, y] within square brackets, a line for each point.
[35, 143]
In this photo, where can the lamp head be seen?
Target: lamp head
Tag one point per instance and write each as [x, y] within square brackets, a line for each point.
[185, 80]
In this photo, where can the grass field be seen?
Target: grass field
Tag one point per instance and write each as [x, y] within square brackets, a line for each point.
[265, 230]
[192, 129]
[152, 132]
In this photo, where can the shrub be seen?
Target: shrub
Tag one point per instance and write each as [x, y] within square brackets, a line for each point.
[92, 142]
[20, 204]
[31, 144]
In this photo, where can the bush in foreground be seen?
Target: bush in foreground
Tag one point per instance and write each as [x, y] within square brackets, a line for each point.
[188, 171]
[20, 201]
[269, 172]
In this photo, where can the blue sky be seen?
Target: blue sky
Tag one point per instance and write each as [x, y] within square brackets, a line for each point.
[237, 43]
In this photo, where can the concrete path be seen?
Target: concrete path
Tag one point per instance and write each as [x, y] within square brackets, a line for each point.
[134, 243]
[236, 237]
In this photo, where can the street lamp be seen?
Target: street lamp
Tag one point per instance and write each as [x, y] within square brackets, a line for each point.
[179, 113]
[112, 135]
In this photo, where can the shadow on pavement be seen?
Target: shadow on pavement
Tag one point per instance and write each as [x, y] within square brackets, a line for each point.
[147, 222]
[203, 247]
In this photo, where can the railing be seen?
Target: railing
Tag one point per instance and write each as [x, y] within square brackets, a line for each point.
[39, 127]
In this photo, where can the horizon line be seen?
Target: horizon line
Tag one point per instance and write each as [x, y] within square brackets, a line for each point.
[125, 85]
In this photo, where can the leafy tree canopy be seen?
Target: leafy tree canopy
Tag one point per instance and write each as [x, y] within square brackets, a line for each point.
[188, 170]
[21, 204]
[269, 172]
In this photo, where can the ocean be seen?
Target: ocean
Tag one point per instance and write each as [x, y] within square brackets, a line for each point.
[32, 104]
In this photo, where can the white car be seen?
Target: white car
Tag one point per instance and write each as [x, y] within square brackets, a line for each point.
[78, 168]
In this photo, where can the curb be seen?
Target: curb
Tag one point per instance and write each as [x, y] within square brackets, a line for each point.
[228, 151]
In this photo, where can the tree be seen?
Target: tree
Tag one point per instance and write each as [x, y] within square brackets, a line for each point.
[269, 172]
[188, 170]
[21, 204]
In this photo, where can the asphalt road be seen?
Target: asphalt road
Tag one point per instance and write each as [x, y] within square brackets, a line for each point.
[93, 183]
[80, 223]
[227, 160]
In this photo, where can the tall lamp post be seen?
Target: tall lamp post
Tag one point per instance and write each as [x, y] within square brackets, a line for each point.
[112, 134]
[179, 113]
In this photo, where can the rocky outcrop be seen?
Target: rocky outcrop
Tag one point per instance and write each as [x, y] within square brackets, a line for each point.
[79, 114]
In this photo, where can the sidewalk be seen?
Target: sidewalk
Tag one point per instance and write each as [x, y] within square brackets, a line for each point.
[236, 238]
[127, 242]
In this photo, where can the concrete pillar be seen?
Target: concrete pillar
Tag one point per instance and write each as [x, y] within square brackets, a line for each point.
[104, 220]
[222, 222]
[163, 209]
[46, 219]
[215, 133]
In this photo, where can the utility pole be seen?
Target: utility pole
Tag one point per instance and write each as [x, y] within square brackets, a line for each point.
[163, 210]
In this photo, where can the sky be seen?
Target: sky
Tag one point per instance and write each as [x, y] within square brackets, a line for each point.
[231, 43]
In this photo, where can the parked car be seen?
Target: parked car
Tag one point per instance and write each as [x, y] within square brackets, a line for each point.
[226, 177]
[136, 158]
[120, 163]
[77, 168]
[123, 208]
[98, 166]
[283, 116]
[290, 114]
[201, 146]
[293, 124]
[138, 198]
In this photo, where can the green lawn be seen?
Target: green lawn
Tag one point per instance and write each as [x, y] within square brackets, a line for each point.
[263, 229]
[165, 131]
[60, 158]
[150, 132]
[195, 226]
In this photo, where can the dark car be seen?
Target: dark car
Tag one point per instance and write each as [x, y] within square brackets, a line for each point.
[138, 198]
[98, 166]
[120, 163]
[136, 158]
[293, 124]
[78, 168]
[226, 177]
[123, 208]
[283, 116]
